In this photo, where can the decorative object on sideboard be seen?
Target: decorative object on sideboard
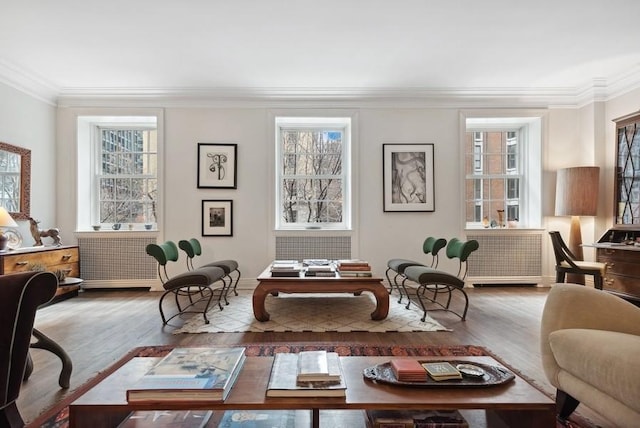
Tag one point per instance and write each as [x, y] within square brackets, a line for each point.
[38, 234]
[577, 195]
[5, 221]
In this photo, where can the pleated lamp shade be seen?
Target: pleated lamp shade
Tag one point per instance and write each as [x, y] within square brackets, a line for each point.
[577, 191]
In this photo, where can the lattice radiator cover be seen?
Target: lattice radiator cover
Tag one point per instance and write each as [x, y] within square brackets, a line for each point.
[313, 247]
[506, 257]
[106, 259]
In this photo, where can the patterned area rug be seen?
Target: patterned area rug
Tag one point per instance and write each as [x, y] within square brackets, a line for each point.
[310, 312]
[58, 416]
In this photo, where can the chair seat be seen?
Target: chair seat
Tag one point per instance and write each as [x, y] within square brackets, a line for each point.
[201, 277]
[227, 265]
[597, 266]
[399, 265]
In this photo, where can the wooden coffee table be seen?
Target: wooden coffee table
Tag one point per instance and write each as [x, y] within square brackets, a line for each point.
[315, 284]
[516, 403]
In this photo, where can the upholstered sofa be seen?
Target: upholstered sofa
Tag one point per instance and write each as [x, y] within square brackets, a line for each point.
[590, 342]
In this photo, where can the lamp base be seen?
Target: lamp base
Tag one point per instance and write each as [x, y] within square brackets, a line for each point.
[3, 242]
[575, 245]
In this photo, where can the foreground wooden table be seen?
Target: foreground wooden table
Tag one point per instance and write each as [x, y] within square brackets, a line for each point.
[273, 285]
[517, 403]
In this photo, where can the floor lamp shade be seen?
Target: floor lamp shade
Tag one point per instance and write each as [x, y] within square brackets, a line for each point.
[577, 191]
[577, 195]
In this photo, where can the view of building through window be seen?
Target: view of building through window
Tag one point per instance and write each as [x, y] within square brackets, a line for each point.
[128, 185]
[493, 177]
[311, 175]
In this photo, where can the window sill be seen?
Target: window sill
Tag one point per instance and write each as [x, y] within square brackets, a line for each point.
[107, 233]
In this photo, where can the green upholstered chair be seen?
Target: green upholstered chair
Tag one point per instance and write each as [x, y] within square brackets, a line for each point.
[192, 248]
[197, 286]
[430, 247]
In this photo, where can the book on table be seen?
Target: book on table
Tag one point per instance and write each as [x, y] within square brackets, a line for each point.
[442, 370]
[416, 419]
[285, 268]
[264, 419]
[190, 374]
[318, 366]
[408, 370]
[283, 380]
[167, 419]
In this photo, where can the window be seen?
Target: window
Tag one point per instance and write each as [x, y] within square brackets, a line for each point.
[118, 170]
[502, 171]
[313, 173]
[127, 185]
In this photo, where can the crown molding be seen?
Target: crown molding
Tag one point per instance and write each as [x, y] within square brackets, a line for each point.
[561, 97]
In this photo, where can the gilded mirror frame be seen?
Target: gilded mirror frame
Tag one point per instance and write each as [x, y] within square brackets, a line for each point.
[25, 180]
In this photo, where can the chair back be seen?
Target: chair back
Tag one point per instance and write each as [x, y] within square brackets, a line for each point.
[561, 251]
[461, 250]
[163, 253]
[20, 295]
[432, 246]
[192, 249]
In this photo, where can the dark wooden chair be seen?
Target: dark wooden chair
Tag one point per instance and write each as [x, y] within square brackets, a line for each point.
[566, 262]
[20, 296]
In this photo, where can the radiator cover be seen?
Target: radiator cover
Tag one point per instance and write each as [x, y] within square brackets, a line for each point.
[313, 247]
[506, 257]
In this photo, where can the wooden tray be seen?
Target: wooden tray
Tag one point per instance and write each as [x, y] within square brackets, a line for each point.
[494, 375]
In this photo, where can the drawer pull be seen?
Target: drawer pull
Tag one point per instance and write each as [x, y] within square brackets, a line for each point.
[21, 263]
[66, 257]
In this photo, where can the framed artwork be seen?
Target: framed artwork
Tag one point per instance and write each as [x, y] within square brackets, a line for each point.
[217, 218]
[217, 165]
[408, 177]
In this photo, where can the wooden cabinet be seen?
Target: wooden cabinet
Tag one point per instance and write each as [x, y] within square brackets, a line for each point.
[616, 248]
[66, 258]
[627, 191]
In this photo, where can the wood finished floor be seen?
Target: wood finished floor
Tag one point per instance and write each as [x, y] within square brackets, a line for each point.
[97, 328]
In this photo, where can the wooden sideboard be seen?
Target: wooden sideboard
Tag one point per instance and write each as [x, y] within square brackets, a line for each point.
[617, 249]
[66, 257]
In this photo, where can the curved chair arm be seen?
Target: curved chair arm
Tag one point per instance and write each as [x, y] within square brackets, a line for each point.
[576, 306]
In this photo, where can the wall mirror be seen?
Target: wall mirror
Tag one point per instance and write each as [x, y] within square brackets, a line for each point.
[15, 180]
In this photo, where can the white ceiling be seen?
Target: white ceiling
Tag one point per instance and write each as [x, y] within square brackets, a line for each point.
[316, 47]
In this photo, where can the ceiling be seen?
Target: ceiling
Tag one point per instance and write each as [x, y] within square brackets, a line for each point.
[563, 48]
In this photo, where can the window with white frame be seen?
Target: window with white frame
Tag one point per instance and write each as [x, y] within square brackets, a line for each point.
[502, 172]
[126, 179]
[313, 173]
[118, 170]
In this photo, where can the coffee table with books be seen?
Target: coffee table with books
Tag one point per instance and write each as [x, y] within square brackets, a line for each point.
[269, 284]
[516, 403]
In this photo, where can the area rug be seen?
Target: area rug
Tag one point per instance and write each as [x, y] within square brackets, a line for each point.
[58, 416]
[310, 312]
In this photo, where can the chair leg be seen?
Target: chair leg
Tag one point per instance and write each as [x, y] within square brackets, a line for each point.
[48, 344]
[560, 276]
[565, 405]
[10, 417]
[597, 279]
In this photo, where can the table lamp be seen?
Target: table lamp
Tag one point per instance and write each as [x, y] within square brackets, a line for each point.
[577, 195]
[5, 221]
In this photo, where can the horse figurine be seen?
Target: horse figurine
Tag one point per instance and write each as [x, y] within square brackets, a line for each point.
[40, 233]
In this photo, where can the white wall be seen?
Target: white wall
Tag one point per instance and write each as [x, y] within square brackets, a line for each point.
[30, 123]
[573, 137]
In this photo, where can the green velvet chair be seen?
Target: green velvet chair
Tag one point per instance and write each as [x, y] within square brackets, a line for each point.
[192, 248]
[430, 247]
[197, 287]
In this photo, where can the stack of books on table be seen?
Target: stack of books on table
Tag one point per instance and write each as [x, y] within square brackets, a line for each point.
[408, 370]
[307, 374]
[190, 375]
[286, 268]
[353, 268]
[320, 270]
[442, 371]
[415, 419]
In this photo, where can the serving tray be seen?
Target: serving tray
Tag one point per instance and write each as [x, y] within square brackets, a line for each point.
[493, 375]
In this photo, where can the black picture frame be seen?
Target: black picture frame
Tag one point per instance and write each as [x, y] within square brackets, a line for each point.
[408, 177]
[217, 217]
[217, 166]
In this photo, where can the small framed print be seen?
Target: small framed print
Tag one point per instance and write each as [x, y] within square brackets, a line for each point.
[217, 218]
[217, 166]
[408, 177]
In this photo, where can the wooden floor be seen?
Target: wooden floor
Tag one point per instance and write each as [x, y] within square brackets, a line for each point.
[97, 328]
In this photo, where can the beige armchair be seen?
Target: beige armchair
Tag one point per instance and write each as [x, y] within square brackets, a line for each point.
[590, 342]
